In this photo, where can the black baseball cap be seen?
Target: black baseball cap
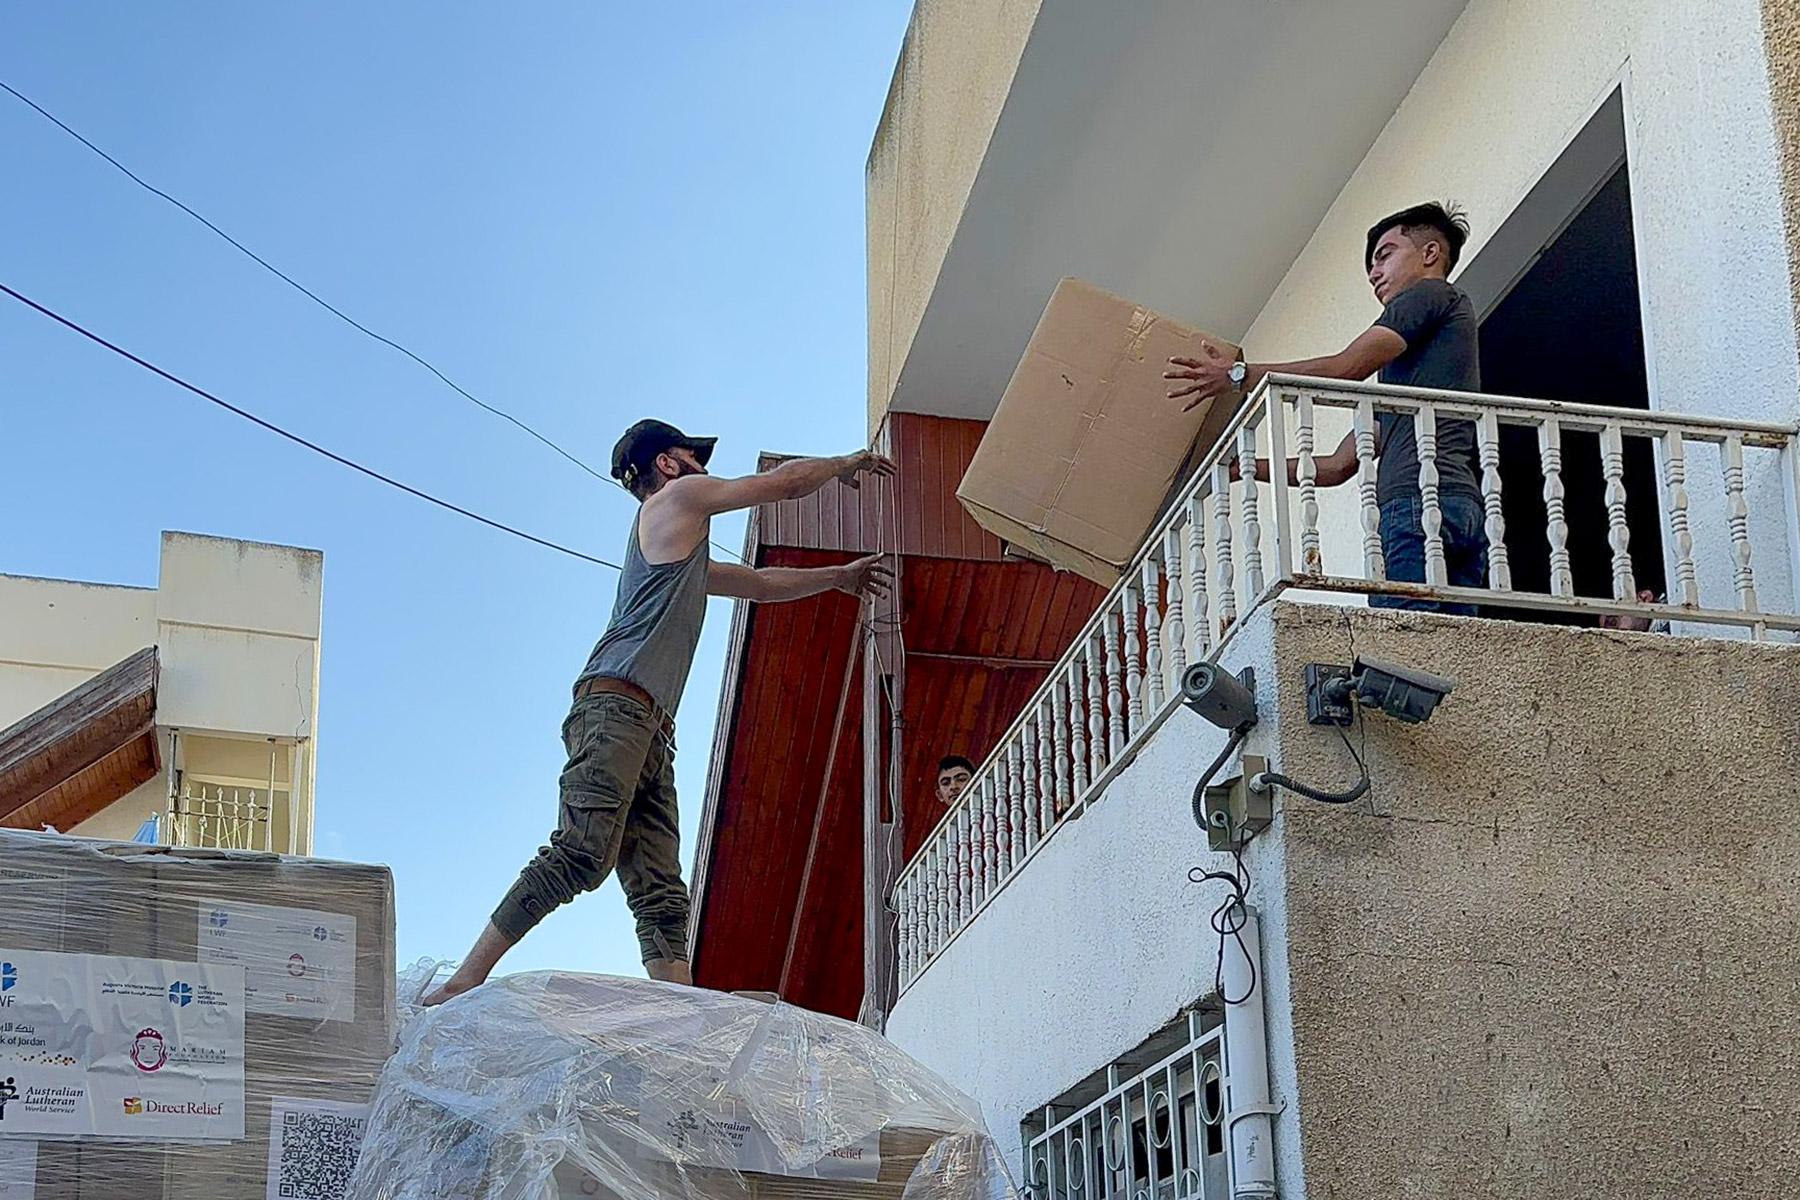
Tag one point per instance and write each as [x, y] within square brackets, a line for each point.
[649, 438]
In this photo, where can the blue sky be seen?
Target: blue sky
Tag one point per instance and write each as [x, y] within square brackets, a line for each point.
[583, 213]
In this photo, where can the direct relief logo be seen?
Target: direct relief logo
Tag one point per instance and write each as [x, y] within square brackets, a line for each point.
[180, 994]
[134, 1106]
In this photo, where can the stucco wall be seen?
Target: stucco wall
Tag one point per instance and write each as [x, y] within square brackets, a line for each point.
[1550, 956]
[955, 69]
[1513, 82]
[1098, 944]
[1553, 955]
[1781, 31]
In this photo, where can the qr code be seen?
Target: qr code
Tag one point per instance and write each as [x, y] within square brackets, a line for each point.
[318, 1153]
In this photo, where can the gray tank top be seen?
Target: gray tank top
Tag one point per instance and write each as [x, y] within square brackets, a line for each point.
[655, 624]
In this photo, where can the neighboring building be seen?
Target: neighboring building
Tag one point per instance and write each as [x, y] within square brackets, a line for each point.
[1550, 953]
[184, 714]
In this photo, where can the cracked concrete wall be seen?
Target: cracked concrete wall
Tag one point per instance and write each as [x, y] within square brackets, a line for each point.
[1553, 954]
[1781, 33]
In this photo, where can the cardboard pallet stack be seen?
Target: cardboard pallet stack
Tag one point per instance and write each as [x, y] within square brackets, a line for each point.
[160, 1006]
[553, 1085]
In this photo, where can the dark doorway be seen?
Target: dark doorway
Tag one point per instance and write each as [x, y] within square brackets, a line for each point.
[1570, 330]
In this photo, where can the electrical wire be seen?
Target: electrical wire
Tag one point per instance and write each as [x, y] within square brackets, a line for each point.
[276, 271]
[1324, 797]
[319, 300]
[297, 439]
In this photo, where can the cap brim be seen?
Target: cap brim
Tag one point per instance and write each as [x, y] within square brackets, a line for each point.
[702, 448]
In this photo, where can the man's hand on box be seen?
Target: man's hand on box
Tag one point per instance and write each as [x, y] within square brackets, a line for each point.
[1199, 379]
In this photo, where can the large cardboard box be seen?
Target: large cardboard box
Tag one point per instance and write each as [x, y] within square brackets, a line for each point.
[1085, 446]
[318, 1029]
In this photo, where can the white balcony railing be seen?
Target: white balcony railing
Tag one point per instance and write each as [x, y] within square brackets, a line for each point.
[1160, 1133]
[1209, 562]
[217, 816]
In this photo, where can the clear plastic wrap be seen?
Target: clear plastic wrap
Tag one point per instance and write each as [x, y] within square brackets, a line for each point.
[549, 1086]
[164, 1012]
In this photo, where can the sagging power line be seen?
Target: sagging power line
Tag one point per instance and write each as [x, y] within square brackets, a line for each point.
[296, 438]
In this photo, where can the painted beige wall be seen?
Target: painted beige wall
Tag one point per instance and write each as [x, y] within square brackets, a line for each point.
[956, 67]
[1552, 956]
[236, 625]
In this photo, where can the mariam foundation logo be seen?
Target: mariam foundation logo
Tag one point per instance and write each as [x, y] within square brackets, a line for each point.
[149, 1051]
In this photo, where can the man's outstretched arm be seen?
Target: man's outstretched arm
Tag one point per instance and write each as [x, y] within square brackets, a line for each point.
[709, 495]
[866, 577]
[1206, 378]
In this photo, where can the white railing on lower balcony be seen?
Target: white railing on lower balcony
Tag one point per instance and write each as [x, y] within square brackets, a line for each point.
[218, 816]
[1228, 545]
[1158, 1134]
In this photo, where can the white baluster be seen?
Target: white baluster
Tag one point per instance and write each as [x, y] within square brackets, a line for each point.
[935, 891]
[1312, 557]
[1115, 695]
[1059, 724]
[1175, 622]
[1499, 564]
[1046, 739]
[903, 937]
[1096, 710]
[1153, 633]
[1737, 515]
[1618, 531]
[1431, 516]
[1251, 515]
[993, 798]
[1222, 547]
[1556, 525]
[1201, 631]
[1015, 793]
[1029, 755]
[1134, 661]
[1078, 751]
[1369, 492]
[969, 854]
[1687, 587]
[987, 864]
[962, 876]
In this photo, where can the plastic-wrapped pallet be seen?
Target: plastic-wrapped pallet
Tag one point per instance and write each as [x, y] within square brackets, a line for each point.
[187, 1024]
[552, 1086]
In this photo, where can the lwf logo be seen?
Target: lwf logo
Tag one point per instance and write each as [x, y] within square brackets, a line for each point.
[180, 995]
[9, 979]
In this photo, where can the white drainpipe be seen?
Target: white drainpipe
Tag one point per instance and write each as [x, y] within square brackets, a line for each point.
[1249, 1119]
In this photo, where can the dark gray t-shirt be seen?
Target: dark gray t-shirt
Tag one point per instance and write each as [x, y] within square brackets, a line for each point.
[1438, 323]
[655, 624]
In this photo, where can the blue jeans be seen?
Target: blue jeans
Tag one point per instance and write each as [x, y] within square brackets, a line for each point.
[1403, 546]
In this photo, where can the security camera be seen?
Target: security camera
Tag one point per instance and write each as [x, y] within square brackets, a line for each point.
[1404, 693]
[1227, 701]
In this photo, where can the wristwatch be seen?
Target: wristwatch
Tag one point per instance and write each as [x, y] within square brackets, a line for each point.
[1240, 371]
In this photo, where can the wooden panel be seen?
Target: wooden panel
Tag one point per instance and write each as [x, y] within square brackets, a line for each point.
[917, 513]
[91, 790]
[78, 730]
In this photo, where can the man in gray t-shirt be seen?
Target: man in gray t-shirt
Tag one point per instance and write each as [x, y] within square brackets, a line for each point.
[1425, 337]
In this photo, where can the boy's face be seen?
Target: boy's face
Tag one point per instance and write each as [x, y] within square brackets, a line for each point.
[1399, 262]
[951, 783]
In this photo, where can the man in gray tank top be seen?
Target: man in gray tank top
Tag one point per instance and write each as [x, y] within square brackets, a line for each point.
[618, 788]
